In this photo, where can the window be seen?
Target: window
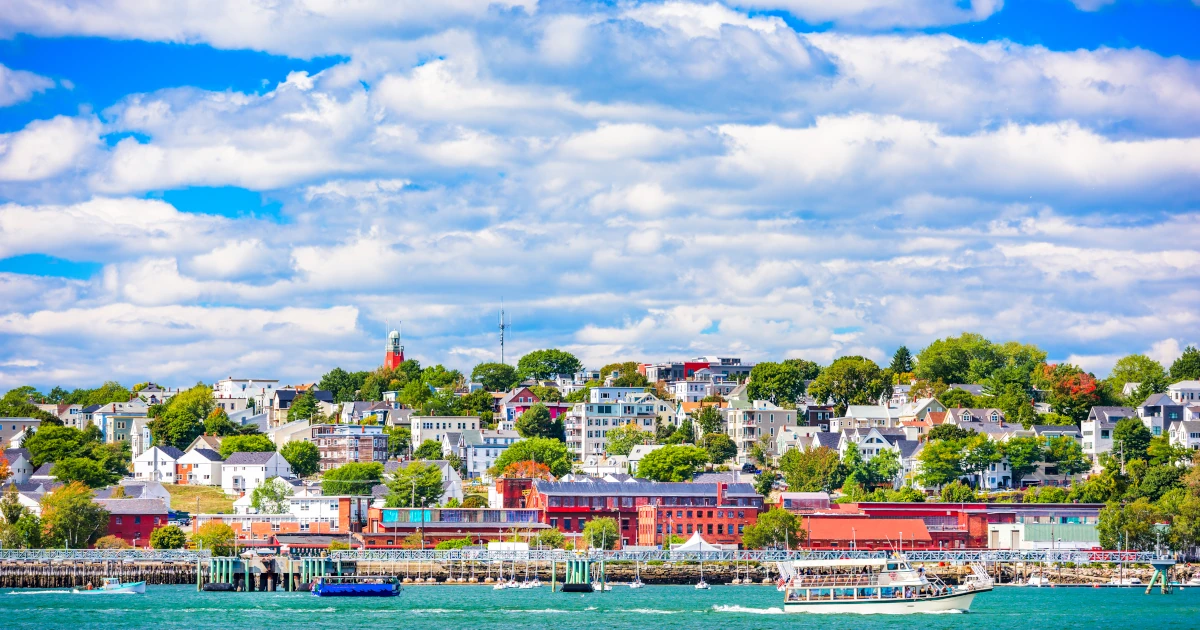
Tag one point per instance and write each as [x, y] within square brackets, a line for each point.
[137, 520]
[566, 524]
[720, 528]
[118, 520]
[741, 528]
[689, 528]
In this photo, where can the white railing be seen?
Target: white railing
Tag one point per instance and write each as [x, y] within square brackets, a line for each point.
[101, 555]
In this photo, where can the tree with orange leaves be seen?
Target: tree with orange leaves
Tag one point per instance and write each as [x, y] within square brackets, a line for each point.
[5, 471]
[527, 470]
[1073, 392]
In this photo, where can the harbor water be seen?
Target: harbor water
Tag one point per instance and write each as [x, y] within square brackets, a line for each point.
[481, 608]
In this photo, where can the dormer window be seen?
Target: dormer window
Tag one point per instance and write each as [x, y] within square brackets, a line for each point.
[995, 417]
[966, 417]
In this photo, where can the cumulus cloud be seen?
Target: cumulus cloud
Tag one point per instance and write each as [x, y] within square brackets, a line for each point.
[884, 13]
[45, 148]
[18, 86]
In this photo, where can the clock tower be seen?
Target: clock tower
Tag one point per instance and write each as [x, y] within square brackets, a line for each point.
[395, 351]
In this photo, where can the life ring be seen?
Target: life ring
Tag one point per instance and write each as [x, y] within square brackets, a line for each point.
[970, 587]
[892, 575]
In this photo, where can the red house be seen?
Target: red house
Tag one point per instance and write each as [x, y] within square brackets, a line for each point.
[132, 520]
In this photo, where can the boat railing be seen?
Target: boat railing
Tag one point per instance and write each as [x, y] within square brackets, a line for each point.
[834, 581]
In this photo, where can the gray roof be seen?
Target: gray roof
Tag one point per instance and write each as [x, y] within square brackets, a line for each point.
[11, 454]
[640, 489]
[91, 408]
[170, 451]
[1160, 400]
[974, 390]
[907, 447]
[208, 453]
[1055, 428]
[132, 491]
[1109, 415]
[828, 439]
[287, 395]
[136, 507]
[44, 470]
[251, 459]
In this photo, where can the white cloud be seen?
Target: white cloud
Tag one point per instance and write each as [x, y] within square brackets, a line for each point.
[882, 13]
[45, 148]
[1165, 351]
[18, 86]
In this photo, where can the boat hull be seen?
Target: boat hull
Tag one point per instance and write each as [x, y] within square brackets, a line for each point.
[960, 602]
[356, 590]
[129, 588]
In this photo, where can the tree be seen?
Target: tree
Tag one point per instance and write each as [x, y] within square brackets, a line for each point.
[1137, 368]
[271, 496]
[1130, 527]
[180, 420]
[495, 377]
[812, 469]
[552, 453]
[111, 542]
[475, 501]
[952, 398]
[536, 422]
[303, 406]
[303, 456]
[720, 447]
[1158, 480]
[1131, 439]
[478, 402]
[776, 528]
[902, 361]
[1023, 455]
[89, 472]
[438, 376]
[71, 519]
[353, 478]
[23, 533]
[1065, 453]
[415, 485]
[949, 360]
[764, 483]
[218, 423]
[545, 364]
[686, 433]
[781, 383]
[1100, 488]
[708, 419]
[850, 381]
[1185, 524]
[546, 394]
[601, 533]
[1161, 451]
[429, 449]
[621, 440]
[672, 463]
[1047, 494]
[168, 537]
[399, 440]
[343, 385]
[549, 539]
[246, 444]
[940, 462]
[5, 470]
[1072, 392]
[215, 537]
[527, 470]
[1187, 366]
[958, 492]
[56, 443]
[885, 467]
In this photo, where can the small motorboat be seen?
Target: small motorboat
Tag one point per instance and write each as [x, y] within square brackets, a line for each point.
[1038, 581]
[113, 586]
[500, 586]
[702, 585]
[637, 583]
[597, 586]
[1132, 581]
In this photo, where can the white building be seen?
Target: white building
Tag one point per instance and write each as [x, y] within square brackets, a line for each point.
[480, 449]
[157, 464]
[1185, 392]
[587, 424]
[1097, 429]
[435, 427]
[258, 389]
[199, 467]
[638, 453]
[1185, 434]
[748, 422]
[13, 430]
[243, 472]
[20, 464]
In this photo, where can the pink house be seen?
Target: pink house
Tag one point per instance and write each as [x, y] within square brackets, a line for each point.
[521, 399]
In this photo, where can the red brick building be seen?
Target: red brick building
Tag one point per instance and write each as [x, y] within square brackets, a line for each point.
[132, 520]
[683, 507]
[826, 531]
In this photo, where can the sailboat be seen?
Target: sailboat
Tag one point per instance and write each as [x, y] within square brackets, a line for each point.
[637, 576]
[702, 585]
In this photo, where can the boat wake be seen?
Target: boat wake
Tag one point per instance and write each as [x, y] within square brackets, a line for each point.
[652, 611]
[743, 609]
[60, 591]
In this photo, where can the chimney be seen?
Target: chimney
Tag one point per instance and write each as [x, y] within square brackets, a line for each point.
[721, 488]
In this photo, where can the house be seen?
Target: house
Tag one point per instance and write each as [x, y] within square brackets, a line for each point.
[863, 416]
[259, 390]
[282, 399]
[519, 400]
[116, 419]
[132, 520]
[435, 427]
[815, 415]
[1185, 393]
[13, 431]
[243, 472]
[130, 489]
[20, 464]
[749, 422]
[639, 452]
[289, 432]
[827, 531]
[345, 443]
[1096, 430]
[964, 417]
[686, 410]
[210, 442]
[154, 394]
[1186, 434]
[140, 438]
[480, 449]
[157, 464]
[367, 412]
[795, 438]
[199, 467]
[1158, 411]
[870, 441]
[587, 424]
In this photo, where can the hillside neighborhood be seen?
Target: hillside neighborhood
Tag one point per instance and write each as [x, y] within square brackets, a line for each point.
[966, 443]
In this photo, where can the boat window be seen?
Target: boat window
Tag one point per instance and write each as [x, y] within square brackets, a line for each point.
[891, 566]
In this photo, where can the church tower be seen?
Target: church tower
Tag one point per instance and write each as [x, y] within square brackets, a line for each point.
[395, 351]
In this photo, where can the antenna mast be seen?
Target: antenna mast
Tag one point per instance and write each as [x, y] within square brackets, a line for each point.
[504, 325]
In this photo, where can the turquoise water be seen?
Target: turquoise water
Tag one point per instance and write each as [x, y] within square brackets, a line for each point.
[481, 608]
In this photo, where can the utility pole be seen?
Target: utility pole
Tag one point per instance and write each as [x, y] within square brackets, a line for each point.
[504, 325]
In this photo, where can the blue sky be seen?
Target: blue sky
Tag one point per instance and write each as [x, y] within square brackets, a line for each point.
[189, 192]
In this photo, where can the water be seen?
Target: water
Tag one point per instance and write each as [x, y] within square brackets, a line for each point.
[481, 608]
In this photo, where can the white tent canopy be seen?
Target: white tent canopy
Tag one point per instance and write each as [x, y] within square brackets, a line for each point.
[696, 543]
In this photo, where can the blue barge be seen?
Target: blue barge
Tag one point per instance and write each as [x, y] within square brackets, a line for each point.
[356, 586]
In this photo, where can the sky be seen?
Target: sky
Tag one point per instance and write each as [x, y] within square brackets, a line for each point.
[197, 189]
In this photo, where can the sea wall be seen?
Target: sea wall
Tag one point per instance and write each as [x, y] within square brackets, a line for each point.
[70, 573]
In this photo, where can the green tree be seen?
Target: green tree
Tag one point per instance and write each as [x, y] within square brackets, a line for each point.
[1185, 524]
[24, 533]
[1187, 366]
[940, 462]
[1100, 488]
[951, 432]
[812, 469]
[343, 385]
[552, 453]
[246, 444]
[415, 485]
[1131, 439]
[218, 423]
[601, 533]
[949, 360]
[1072, 392]
[495, 377]
[720, 447]
[546, 394]
[56, 443]
[885, 467]
[477, 402]
[775, 529]
[180, 420]
[215, 537]
[850, 381]
[621, 440]
[1158, 480]
[902, 361]
[399, 440]
[168, 537]
[708, 419]
[536, 422]
[303, 456]
[546, 364]
[952, 398]
[686, 433]
[1130, 526]
[428, 450]
[89, 472]
[781, 383]
[303, 407]
[764, 483]
[1065, 453]
[1161, 451]
[958, 492]
[1047, 494]
[1023, 455]
[672, 463]
[1137, 368]
[549, 539]
[271, 496]
[71, 519]
[353, 478]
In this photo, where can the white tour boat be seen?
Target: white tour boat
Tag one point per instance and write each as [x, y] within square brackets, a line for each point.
[112, 586]
[874, 585]
[1131, 581]
[1038, 581]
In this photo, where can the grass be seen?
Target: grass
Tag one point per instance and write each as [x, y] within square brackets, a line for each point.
[212, 499]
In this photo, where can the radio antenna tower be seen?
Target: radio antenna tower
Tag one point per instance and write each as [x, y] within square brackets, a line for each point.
[504, 325]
